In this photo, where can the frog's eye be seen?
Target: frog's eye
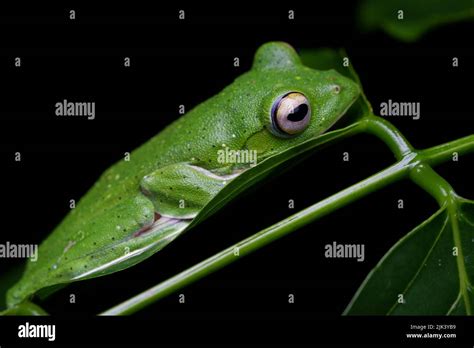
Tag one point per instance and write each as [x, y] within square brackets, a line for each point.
[291, 114]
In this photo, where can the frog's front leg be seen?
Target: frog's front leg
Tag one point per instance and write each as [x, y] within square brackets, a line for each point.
[181, 190]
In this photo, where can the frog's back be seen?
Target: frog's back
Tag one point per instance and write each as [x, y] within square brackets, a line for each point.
[193, 138]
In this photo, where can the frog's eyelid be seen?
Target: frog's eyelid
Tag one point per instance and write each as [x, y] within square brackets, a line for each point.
[274, 125]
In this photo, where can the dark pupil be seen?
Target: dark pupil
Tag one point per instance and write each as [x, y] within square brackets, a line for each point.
[298, 113]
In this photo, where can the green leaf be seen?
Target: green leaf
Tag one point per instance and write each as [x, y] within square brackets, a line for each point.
[418, 16]
[431, 269]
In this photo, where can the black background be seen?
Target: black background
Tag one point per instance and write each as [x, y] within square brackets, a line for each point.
[185, 62]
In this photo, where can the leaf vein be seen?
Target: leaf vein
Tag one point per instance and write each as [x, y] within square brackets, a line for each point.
[428, 254]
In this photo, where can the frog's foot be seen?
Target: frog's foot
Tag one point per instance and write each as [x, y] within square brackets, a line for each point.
[181, 190]
[148, 227]
[157, 223]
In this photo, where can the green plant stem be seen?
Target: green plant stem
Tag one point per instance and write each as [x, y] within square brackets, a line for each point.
[390, 135]
[442, 153]
[442, 191]
[410, 162]
[425, 177]
[422, 174]
[266, 236]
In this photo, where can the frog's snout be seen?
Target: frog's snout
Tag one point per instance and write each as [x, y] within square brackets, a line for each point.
[342, 86]
[346, 89]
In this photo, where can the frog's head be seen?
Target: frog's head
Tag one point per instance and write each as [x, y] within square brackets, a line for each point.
[296, 103]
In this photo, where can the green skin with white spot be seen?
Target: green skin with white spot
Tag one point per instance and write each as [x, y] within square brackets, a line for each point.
[177, 172]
